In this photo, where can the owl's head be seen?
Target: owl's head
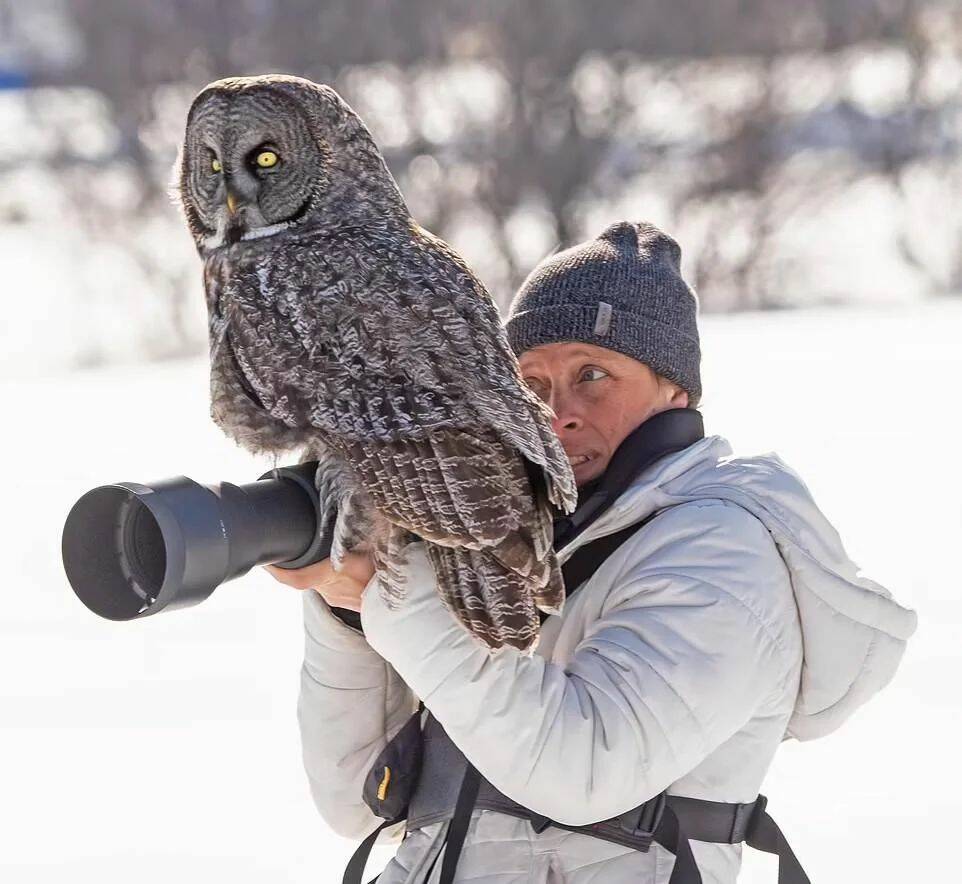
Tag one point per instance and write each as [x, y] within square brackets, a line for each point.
[262, 155]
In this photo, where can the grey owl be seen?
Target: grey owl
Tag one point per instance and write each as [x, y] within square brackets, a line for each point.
[342, 329]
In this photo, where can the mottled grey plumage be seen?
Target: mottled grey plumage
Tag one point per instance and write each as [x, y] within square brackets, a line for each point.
[341, 328]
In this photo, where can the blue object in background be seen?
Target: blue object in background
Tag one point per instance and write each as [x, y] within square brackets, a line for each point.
[12, 80]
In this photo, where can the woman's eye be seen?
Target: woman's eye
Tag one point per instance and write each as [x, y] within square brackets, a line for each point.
[536, 386]
[593, 374]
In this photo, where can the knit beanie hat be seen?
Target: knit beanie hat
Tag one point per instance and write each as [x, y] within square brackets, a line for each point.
[622, 291]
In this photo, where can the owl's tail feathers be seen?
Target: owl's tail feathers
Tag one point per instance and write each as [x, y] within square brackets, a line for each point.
[529, 552]
[533, 564]
[389, 561]
[496, 591]
[551, 597]
[461, 589]
[491, 599]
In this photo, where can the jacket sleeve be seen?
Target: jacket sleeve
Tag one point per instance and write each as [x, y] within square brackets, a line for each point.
[673, 665]
[351, 703]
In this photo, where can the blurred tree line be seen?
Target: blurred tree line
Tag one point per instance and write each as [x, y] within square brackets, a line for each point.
[515, 128]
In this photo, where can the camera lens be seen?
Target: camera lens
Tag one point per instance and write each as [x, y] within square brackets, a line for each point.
[133, 550]
[96, 553]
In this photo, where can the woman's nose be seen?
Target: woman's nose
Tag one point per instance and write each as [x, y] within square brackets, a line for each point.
[567, 414]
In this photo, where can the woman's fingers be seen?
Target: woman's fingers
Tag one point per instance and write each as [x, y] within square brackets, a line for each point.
[340, 589]
[358, 566]
[308, 577]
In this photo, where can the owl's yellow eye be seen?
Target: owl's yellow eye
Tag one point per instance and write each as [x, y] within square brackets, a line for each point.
[266, 159]
[215, 165]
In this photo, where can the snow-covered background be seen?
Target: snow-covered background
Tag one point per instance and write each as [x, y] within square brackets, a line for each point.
[803, 154]
[167, 749]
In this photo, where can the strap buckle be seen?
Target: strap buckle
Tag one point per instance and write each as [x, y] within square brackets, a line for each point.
[640, 823]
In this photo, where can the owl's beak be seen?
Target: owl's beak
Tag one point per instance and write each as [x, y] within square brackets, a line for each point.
[236, 204]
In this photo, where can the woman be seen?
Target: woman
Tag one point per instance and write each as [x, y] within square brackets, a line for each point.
[730, 619]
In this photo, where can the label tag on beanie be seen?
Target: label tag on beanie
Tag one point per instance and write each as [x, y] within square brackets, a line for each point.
[603, 319]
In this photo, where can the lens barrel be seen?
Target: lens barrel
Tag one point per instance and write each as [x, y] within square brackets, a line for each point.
[132, 550]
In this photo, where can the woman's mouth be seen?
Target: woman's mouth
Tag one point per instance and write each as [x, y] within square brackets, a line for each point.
[577, 460]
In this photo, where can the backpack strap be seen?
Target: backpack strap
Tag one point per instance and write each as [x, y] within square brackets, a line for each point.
[458, 828]
[354, 872]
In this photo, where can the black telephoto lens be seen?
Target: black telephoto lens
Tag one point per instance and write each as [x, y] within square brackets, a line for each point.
[132, 550]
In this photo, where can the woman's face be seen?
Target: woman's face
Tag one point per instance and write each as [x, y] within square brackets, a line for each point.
[598, 397]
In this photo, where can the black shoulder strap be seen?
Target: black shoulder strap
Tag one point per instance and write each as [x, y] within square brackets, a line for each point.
[587, 559]
[354, 872]
[458, 827]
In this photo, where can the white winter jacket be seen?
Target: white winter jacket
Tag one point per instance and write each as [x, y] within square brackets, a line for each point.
[733, 620]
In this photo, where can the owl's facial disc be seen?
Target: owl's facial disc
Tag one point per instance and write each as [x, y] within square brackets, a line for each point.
[255, 168]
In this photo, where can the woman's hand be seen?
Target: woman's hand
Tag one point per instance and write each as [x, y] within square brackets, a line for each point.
[340, 589]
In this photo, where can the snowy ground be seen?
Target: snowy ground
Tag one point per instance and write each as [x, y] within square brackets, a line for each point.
[168, 748]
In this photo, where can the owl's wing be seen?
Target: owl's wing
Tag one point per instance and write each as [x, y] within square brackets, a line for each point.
[453, 487]
[495, 387]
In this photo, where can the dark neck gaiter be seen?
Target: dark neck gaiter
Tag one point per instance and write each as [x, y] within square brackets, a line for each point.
[664, 433]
